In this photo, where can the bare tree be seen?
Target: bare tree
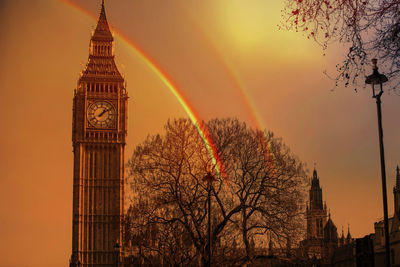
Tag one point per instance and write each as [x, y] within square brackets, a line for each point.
[261, 193]
[371, 28]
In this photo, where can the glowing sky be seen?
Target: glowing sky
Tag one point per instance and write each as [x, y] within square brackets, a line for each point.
[226, 57]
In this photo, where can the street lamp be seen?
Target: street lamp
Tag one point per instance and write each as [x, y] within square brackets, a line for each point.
[209, 178]
[117, 248]
[378, 79]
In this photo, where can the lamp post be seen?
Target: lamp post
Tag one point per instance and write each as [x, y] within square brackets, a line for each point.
[378, 79]
[209, 178]
[117, 248]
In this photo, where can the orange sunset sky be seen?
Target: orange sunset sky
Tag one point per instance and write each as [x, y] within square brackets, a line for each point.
[228, 59]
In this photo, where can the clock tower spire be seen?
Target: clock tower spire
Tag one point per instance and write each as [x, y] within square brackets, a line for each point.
[99, 130]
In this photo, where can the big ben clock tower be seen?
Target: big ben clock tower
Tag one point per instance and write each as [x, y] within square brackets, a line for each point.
[99, 132]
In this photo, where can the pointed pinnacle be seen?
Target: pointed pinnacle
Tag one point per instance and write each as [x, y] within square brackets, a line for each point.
[103, 11]
[315, 175]
[397, 177]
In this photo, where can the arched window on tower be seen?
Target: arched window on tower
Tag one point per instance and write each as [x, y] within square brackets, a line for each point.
[320, 225]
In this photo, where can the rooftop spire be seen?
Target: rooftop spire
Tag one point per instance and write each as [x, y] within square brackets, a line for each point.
[103, 11]
[315, 193]
[101, 52]
[315, 180]
[397, 177]
[342, 238]
[348, 232]
[102, 32]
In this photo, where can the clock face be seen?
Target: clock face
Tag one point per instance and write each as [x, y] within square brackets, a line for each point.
[101, 114]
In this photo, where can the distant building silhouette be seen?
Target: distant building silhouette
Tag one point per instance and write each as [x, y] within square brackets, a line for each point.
[394, 231]
[321, 240]
[99, 134]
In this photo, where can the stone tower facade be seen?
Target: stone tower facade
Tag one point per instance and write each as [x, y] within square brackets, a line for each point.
[322, 245]
[316, 212]
[321, 237]
[99, 131]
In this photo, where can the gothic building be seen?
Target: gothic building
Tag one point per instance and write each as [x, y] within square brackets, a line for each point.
[321, 238]
[99, 129]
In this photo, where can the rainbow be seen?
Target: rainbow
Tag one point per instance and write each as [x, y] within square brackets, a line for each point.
[169, 83]
[190, 111]
[234, 77]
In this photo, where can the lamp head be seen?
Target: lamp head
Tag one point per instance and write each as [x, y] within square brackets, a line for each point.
[375, 77]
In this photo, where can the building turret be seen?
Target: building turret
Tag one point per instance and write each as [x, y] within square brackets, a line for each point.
[330, 231]
[396, 193]
[397, 177]
[349, 239]
[315, 193]
[341, 240]
[316, 212]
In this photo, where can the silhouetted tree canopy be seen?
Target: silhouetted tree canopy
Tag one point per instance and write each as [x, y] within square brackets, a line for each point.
[262, 194]
[370, 28]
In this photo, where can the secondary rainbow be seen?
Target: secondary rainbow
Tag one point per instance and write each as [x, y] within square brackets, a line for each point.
[235, 79]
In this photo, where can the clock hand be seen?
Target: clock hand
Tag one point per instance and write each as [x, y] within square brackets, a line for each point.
[104, 111]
